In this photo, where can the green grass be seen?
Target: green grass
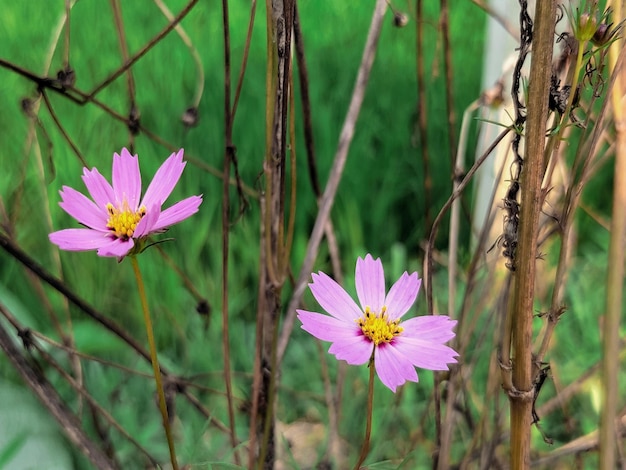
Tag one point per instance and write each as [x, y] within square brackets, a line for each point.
[379, 209]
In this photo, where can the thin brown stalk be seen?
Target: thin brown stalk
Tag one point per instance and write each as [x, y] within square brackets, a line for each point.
[259, 399]
[336, 172]
[615, 278]
[429, 263]
[244, 60]
[443, 457]
[228, 151]
[531, 204]
[303, 75]
[273, 256]
[422, 112]
[444, 21]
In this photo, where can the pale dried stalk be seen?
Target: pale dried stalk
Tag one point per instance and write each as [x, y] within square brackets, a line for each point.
[610, 337]
[326, 202]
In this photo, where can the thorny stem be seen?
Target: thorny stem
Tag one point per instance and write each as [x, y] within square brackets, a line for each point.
[155, 361]
[368, 424]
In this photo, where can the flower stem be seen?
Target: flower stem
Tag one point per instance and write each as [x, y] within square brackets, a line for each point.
[370, 406]
[155, 362]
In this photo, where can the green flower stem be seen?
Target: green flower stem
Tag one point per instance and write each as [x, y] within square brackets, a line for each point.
[155, 361]
[370, 406]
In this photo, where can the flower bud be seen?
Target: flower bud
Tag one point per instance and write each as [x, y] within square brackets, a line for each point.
[585, 27]
[604, 33]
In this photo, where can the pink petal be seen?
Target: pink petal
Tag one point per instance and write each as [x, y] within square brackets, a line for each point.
[370, 283]
[83, 209]
[327, 328]
[99, 188]
[393, 368]
[79, 239]
[435, 328]
[402, 295]
[146, 225]
[355, 351]
[178, 212]
[126, 179]
[333, 298]
[424, 354]
[164, 180]
[117, 248]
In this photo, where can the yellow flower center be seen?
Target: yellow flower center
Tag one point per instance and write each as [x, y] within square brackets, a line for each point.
[123, 222]
[377, 327]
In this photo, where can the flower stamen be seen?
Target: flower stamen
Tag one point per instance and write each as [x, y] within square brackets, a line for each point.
[377, 327]
[123, 222]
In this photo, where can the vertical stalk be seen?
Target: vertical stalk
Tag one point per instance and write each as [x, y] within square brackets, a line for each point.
[228, 153]
[422, 113]
[336, 172]
[155, 361]
[368, 424]
[274, 266]
[615, 278]
[521, 394]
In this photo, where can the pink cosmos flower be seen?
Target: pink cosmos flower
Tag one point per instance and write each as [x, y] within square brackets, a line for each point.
[356, 331]
[117, 222]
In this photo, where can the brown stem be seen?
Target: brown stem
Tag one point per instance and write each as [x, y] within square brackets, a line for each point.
[615, 279]
[228, 151]
[531, 202]
[422, 112]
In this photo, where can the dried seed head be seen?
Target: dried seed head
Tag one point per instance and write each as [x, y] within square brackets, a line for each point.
[190, 117]
[400, 20]
[603, 35]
